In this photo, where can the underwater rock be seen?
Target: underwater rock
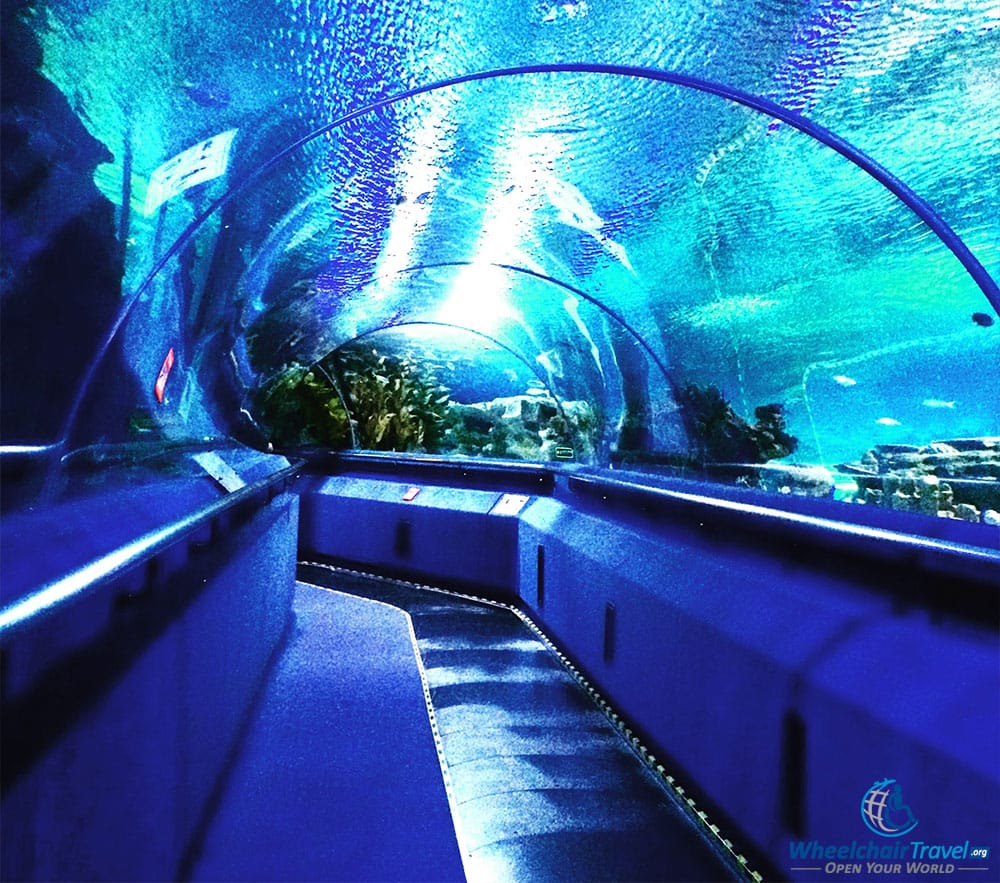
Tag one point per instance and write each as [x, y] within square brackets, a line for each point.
[944, 448]
[536, 413]
[475, 418]
[804, 481]
[966, 512]
[872, 497]
[719, 435]
[912, 494]
[524, 427]
[729, 448]
[60, 262]
[989, 443]
[957, 478]
[991, 517]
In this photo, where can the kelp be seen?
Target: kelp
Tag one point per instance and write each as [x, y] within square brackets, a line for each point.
[396, 402]
[359, 396]
[301, 407]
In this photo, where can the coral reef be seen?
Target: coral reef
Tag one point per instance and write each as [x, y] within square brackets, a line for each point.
[959, 478]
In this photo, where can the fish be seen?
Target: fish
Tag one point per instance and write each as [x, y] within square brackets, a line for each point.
[576, 211]
[551, 362]
[616, 250]
[887, 421]
[938, 403]
[207, 94]
[574, 208]
[984, 320]
[559, 130]
[844, 380]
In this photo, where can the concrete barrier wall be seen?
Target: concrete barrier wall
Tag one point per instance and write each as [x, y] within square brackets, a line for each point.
[778, 671]
[120, 712]
[778, 689]
[453, 536]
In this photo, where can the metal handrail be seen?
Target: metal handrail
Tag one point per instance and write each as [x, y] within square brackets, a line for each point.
[978, 562]
[31, 609]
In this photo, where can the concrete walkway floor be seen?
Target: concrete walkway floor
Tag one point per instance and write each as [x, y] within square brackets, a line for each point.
[338, 777]
[411, 734]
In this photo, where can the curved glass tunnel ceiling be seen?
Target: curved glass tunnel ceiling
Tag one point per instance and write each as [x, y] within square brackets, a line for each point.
[693, 280]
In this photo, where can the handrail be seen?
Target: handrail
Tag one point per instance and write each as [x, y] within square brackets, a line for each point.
[978, 563]
[27, 611]
[536, 478]
[590, 486]
[447, 462]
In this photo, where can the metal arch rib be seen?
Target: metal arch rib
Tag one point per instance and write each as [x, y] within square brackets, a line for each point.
[920, 206]
[426, 322]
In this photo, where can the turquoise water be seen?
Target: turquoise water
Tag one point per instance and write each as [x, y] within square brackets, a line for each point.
[589, 237]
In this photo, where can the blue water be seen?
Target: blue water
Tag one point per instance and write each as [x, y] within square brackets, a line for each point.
[614, 236]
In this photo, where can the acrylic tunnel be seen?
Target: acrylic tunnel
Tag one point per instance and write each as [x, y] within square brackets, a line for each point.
[528, 441]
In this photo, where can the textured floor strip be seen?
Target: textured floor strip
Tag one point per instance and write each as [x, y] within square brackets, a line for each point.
[545, 781]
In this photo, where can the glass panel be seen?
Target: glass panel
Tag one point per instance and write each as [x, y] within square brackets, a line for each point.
[430, 388]
[715, 292]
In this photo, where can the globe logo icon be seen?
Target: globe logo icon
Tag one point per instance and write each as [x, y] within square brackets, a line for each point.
[884, 811]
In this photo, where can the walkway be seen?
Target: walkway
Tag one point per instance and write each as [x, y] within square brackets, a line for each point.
[407, 733]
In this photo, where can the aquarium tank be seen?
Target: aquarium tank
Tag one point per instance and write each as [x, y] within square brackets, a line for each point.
[746, 243]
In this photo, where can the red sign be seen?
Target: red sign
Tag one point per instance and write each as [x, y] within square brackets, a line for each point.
[161, 379]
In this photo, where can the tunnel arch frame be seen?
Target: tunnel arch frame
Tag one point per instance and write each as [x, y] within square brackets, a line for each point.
[916, 203]
[427, 323]
[611, 313]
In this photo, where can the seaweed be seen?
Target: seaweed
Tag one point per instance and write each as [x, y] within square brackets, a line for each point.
[300, 406]
[362, 397]
[396, 402]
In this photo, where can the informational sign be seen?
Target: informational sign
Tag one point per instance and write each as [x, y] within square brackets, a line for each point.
[509, 504]
[225, 476]
[206, 160]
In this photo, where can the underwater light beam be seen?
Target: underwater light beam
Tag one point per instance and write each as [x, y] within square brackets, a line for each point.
[923, 209]
[612, 314]
[615, 317]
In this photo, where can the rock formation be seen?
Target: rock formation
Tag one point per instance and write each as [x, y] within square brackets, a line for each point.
[959, 478]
